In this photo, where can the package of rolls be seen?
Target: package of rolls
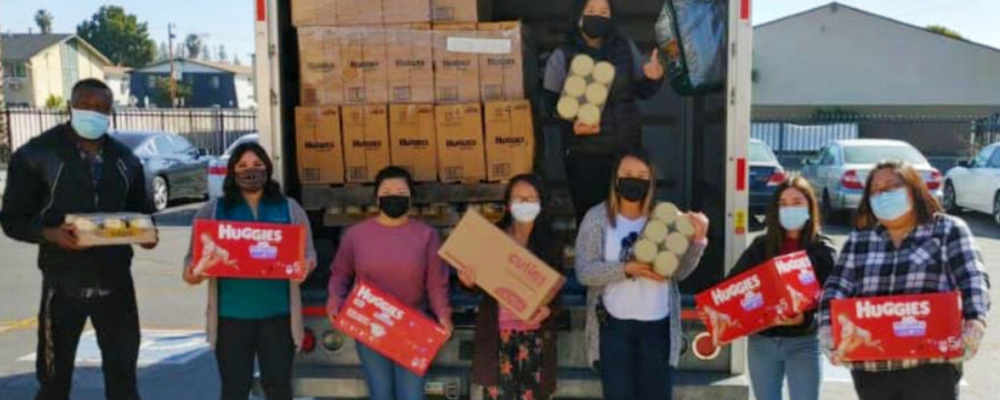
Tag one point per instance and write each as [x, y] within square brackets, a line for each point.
[664, 240]
[112, 229]
[586, 90]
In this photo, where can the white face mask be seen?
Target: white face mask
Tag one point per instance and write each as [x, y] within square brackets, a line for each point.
[525, 212]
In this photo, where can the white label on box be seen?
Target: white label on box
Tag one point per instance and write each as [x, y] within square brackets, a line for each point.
[479, 46]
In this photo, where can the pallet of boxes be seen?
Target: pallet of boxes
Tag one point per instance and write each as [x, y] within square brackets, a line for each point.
[427, 85]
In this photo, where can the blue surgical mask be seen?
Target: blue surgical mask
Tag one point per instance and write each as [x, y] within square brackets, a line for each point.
[793, 218]
[889, 206]
[90, 125]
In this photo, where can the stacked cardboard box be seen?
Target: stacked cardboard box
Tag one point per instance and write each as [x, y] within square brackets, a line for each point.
[456, 63]
[461, 155]
[510, 139]
[366, 141]
[411, 63]
[414, 142]
[320, 152]
[501, 61]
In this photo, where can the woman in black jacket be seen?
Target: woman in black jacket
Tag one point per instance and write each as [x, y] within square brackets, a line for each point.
[790, 350]
[589, 150]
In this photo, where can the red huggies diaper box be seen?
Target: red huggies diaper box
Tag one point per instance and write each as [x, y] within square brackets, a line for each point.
[229, 249]
[760, 298]
[922, 326]
[389, 327]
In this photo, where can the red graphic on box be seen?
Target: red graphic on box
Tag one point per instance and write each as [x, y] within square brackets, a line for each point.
[394, 330]
[759, 299]
[227, 249]
[898, 327]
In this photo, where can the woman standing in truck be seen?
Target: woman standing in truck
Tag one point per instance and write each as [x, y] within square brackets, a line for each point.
[397, 255]
[633, 313]
[791, 350]
[903, 243]
[589, 150]
[252, 319]
[515, 359]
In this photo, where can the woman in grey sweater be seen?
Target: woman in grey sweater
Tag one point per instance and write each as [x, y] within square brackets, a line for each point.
[633, 314]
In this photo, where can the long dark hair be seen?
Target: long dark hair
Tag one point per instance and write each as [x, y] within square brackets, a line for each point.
[576, 13]
[775, 232]
[924, 203]
[541, 241]
[231, 192]
[613, 205]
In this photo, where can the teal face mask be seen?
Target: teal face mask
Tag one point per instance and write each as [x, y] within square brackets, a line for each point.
[891, 205]
[793, 218]
[90, 125]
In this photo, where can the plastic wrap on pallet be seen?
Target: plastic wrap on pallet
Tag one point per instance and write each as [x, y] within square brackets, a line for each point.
[501, 68]
[456, 63]
[691, 35]
[411, 63]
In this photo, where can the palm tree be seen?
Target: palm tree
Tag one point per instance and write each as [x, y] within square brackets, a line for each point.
[43, 19]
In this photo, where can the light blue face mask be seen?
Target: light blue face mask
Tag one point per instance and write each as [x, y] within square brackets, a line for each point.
[889, 206]
[90, 125]
[793, 218]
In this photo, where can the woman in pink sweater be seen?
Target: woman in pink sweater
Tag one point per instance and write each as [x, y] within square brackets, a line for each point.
[397, 255]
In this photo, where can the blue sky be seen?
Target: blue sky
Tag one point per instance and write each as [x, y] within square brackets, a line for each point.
[230, 22]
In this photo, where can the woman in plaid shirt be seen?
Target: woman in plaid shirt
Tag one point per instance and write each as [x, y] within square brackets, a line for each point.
[903, 243]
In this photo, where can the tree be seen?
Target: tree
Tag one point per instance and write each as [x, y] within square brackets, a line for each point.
[944, 31]
[43, 19]
[55, 102]
[236, 60]
[161, 92]
[180, 51]
[193, 44]
[206, 54]
[119, 36]
[223, 56]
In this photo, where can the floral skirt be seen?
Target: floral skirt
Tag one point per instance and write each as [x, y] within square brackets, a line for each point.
[520, 366]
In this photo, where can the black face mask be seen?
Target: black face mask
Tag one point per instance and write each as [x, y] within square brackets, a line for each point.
[596, 27]
[394, 206]
[633, 189]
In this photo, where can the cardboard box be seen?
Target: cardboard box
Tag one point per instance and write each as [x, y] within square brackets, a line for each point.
[366, 141]
[249, 250]
[389, 327]
[314, 12]
[923, 326]
[358, 12]
[456, 63]
[320, 66]
[414, 143]
[320, 151]
[510, 139]
[742, 305]
[112, 229]
[366, 73]
[801, 284]
[461, 153]
[514, 276]
[411, 63]
[460, 10]
[501, 61]
[406, 11]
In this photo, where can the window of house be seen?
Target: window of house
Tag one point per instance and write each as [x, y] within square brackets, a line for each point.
[15, 70]
[215, 83]
[151, 81]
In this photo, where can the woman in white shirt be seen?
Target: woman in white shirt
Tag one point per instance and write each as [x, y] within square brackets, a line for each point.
[633, 318]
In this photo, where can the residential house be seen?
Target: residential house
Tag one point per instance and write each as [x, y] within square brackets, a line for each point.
[211, 84]
[38, 67]
[118, 80]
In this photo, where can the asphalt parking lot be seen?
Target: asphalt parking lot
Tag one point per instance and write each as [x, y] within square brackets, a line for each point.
[177, 364]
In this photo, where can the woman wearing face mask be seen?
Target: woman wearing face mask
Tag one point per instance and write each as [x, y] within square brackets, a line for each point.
[633, 317]
[903, 243]
[253, 319]
[398, 255]
[516, 359]
[790, 350]
[590, 149]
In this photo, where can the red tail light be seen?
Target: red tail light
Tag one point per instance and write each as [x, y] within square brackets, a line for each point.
[935, 182]
[852, 181]
[777, 178]
[308, 341]
[217, 170]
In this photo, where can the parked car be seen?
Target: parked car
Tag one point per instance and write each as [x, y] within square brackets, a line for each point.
[175, 168]
[217, 167]
[839, 171]
[975, 184]
[766, 174]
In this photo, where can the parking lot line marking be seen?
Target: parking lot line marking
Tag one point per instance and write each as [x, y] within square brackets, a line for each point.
[26, 323]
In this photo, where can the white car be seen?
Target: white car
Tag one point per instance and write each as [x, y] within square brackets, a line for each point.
[975, 184]
[217, 168]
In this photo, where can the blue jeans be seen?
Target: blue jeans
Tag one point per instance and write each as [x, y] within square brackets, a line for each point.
[635, 360]
[770, 359]
[388, 381]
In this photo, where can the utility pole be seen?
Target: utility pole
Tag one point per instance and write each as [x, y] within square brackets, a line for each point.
[170, 49]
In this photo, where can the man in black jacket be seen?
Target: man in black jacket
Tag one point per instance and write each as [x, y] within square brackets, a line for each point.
[76, 168]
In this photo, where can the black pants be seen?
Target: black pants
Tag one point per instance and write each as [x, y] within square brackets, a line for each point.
[937, 382]
[269, 341]
[635, 360]
[589, 177]
[63, 314]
